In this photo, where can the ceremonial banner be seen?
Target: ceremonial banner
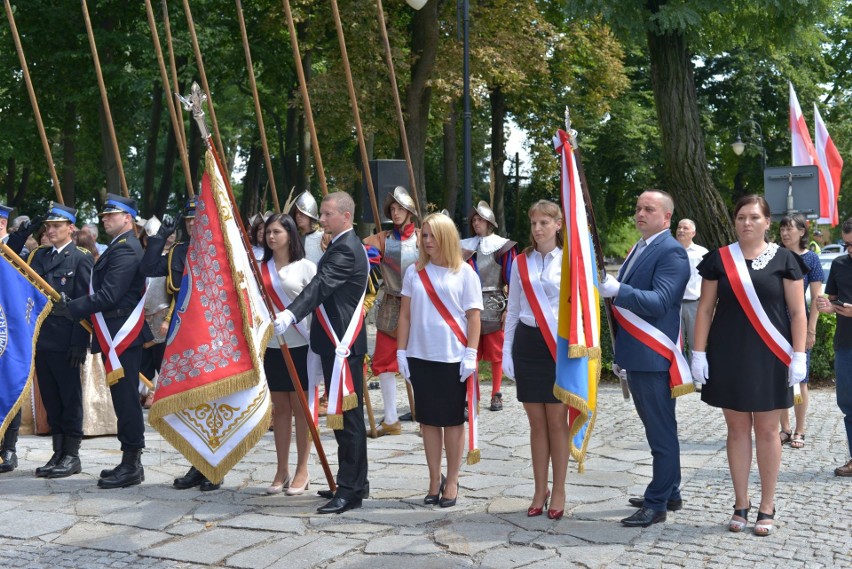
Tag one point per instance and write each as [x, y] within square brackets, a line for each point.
[578, 352]
[24, 305]
[831, 165]
[212, 402]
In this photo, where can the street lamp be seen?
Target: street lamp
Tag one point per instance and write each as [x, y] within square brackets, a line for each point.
[753, 136]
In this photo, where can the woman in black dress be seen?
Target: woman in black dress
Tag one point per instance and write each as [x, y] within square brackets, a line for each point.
[743, 376]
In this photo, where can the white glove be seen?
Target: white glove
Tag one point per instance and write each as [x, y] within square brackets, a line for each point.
[283, 321]
[798, 368]
[508, 366]
[468, 364]
[619, 372]
[609, 287]
[700, 368]
[402, 364]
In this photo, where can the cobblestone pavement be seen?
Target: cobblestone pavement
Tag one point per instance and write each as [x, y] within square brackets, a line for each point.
[70, 523]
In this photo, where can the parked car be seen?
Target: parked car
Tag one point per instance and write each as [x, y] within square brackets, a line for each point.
[825, 260]
[832, 248]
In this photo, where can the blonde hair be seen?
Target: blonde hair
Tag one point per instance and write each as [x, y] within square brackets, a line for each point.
[446, 233]
[550, 209]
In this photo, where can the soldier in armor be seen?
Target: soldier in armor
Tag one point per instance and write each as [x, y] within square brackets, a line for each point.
[305, 212]
[492, 257]
[397, 248]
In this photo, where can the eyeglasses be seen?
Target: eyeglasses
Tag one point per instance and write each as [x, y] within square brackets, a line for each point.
[846, 244]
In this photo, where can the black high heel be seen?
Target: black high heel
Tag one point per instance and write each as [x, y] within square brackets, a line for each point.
[432, 499]
[737, 526]
[448, 502]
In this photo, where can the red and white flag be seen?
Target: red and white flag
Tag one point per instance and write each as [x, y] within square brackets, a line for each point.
[804, 153]
[831, 164]
[212, 402]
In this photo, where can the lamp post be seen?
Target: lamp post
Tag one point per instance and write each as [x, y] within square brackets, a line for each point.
[753, 136]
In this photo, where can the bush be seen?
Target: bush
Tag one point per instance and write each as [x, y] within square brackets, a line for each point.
[822, 354]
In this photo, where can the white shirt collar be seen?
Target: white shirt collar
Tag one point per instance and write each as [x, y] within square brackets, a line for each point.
[342, 233]
[651, 239]
[59, 250]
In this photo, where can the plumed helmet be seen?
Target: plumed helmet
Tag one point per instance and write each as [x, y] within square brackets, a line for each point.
[400, 196]
[306, 203]
[484, 211]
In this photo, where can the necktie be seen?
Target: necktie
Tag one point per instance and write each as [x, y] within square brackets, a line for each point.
[640, 247]
[53, 255]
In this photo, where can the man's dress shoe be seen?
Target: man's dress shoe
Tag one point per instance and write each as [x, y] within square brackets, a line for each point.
[671, 505]
[643, 518]
[328, 494]
[338, 505]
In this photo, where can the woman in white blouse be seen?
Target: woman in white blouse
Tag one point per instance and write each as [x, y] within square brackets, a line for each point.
[527, 358]
[286, 272]
[431, 353]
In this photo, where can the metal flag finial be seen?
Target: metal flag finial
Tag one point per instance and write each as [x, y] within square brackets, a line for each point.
[572, 134]
[194, 102]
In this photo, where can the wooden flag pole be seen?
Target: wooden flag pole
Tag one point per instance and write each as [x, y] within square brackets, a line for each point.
[177, 126]
[403, 137]
[105, 99]
[257, 110]
[195, 100]
[175, 82]
[306, 99]
[199, 61]
[28, 80]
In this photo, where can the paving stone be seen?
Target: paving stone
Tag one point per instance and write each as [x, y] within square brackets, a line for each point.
[24, 524]
[110, 537]
[268, 523]
[150, 515]
[471, 538]
[410, 545]
[512, 557]
[209, 547]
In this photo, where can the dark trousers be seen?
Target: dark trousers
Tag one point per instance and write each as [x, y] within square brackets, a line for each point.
[61, 393]
[352, 439]
[656, 407]
[152, 358]
[125, 401]
[10, 436]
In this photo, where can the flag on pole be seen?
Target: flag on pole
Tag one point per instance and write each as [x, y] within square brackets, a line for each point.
[212, 402]
[831, 165]
[804, 153]
[24, 305]
[578, 352]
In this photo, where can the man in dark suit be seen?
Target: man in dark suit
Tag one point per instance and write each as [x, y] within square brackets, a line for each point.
[118, 288]
[339, 287]
[651, 284]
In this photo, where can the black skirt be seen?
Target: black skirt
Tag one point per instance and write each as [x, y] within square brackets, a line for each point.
[277, 376]
[535, 370]
[439, 396]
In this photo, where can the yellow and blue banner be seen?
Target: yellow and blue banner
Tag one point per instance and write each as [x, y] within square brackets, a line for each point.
[578, 351]
[24, 304]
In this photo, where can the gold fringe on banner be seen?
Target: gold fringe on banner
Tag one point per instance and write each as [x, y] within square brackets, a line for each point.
[474, 456]
[198, 395]
[114, 376]
[350, 401]
[334, 422]
[578, 351]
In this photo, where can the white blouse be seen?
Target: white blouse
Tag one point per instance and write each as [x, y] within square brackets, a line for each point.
[549, 269]
[295, 277]
[430, 337]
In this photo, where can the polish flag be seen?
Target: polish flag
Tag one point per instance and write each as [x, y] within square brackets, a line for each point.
[831, 164]
[804, 153]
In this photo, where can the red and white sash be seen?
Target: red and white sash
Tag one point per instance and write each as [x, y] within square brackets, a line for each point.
[341, 390]
[680, 377]
[114, 347]
[281, 300]
[736, 270]
[472, 385]
[539, 304]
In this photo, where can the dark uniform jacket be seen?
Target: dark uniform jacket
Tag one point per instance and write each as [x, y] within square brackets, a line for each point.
[118, 286]
[68, 272]
[155, 264]
[338, 285]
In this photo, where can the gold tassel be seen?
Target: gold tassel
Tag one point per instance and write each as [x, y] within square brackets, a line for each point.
[350, 402]
[474, 456]
[595, 353]
[113, 376]
[798, 399]
[581, 467]
[679, 390]
[334, 422]
[577, 351]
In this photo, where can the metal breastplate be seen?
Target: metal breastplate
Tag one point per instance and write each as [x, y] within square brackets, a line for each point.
[489, 272]
[398, 256]
[493, 299]
[313, 246]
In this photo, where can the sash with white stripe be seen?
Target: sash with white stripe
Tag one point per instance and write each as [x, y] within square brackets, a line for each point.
[281, 300]
[680, 377]
[539, 303]
[341, 390]
[114, 347]
[736, 270]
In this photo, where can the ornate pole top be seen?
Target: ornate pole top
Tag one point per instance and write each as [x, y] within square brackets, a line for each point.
[572, 134]
[194, 103]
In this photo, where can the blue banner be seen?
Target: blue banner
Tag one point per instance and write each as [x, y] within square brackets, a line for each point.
[23, 307]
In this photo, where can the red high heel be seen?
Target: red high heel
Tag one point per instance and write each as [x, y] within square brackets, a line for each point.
[555, 514]
[533, 511]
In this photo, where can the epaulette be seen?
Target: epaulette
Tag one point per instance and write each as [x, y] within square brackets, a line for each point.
[86, 251]
[122, 241]
[33, 252]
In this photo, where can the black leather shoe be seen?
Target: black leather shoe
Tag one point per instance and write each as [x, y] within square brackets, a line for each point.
[328, 494]
[207, 486]
[338, 505]
[128, 473]
[643, 518]
[10, 461]
[671, 505]
[432, 499]
[191, 479]
[43, 471]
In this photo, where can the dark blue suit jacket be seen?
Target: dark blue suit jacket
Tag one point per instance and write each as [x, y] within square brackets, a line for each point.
[652, 289]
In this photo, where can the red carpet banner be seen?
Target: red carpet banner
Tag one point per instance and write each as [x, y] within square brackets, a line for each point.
[212, 402]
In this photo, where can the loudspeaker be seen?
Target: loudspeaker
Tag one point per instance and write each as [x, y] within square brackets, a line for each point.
[386, 174]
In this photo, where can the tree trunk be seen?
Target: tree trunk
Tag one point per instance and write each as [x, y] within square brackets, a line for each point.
[451, 162]
[292, 143]
[9, 182]
[424, 47]
[69, 155]
[148, 196]
[108, 158]
[167, 179]
[685, 165]
[498, 155]
[249, 204]
[22, 188]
